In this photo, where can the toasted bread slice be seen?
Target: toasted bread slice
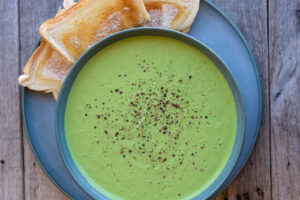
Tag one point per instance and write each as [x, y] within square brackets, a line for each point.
[174, 14]
[45, 70]
[88, 21]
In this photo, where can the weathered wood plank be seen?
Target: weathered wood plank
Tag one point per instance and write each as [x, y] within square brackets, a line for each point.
[11, 163]
[32, 14]
[254, 181]
[285, 98]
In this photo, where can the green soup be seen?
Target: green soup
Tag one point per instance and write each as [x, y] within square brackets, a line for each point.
[150, 118]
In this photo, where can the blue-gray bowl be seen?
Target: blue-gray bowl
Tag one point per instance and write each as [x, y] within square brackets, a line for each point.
[208, 193]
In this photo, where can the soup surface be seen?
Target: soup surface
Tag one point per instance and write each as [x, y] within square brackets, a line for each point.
[150, 118]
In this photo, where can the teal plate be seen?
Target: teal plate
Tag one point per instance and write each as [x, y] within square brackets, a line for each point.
[68, 83]
[213, 29]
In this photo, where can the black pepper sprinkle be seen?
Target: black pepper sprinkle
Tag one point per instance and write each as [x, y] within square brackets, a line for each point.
[133, 104]
[190, 77]
[175, 105]
[105, 132]
[298, 13]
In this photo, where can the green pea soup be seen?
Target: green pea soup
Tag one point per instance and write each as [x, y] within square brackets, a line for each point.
[150, 118]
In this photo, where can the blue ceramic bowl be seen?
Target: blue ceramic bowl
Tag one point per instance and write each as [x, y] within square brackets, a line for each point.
[208, 193]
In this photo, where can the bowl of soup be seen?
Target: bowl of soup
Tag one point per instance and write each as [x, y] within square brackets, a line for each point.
[150, 113]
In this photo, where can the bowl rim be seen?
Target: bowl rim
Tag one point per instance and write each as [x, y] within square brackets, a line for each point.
[212, 189]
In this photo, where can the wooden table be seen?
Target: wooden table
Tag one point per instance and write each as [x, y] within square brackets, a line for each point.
[272, 28]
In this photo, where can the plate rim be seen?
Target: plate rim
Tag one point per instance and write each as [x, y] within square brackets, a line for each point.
[259, 83]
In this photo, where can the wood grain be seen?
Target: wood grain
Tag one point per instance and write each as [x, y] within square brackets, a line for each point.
[11, 163]
[254, 181]
[19, 22]
[285, 98]
[32, 14]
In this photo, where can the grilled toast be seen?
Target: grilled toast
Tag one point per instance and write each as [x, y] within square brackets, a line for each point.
[46, 68]
[88, 21]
